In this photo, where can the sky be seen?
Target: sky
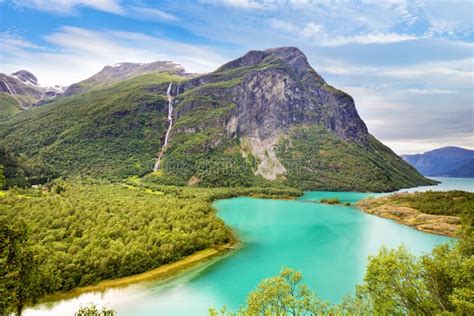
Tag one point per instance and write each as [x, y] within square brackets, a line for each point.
[408, 64]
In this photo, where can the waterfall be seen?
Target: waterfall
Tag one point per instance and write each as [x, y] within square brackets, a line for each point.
[170, 120]
[6, 85]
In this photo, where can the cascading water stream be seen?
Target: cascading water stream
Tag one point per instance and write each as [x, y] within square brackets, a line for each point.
[170, 120]
[12, 92]
[8, 87]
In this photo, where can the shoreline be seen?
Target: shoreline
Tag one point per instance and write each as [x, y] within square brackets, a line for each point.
[162, 272]
[443, 225]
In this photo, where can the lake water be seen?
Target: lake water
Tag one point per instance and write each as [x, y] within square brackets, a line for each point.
[328, 243]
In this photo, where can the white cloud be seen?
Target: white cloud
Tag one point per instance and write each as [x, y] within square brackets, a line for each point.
[10, 40]
[432, 91]
[148, 13]
[318, 33]
[313, 30]
[322, 37]
[395, 117]
[449, 18]
[369, 38]
[438, 75]
[79, 53]
[244, 4]
[68, 6]
[282, 25]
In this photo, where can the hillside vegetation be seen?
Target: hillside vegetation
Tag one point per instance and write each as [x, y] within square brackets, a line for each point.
[109, 132]
[318, 159]
[9, 106]
[434, 212]
[451, 203]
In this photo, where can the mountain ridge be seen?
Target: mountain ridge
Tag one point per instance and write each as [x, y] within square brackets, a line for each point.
[256, 101]
[267, 118]
[447, 161]
[122, 71]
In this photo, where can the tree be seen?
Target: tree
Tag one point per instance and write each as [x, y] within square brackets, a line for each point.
[394, 280]
[3, 180]
[18, 268]
[282, 295]
[92, 310]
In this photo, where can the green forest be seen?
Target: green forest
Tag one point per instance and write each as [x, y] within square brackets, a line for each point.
[453, 203]
[78, 233]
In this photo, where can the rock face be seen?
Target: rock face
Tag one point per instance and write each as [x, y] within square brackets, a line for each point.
[276, 89]
[23, 86]
[123, 71]
[447, 161]
[261, 107]
[25, 76]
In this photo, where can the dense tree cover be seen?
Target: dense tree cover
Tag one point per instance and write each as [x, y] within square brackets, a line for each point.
[453, 203]
[3, 179]
[19, 172]
[19, 266]
[112, 131]
[85, 232]
[396, 283]
[93, 310]
[317, 159]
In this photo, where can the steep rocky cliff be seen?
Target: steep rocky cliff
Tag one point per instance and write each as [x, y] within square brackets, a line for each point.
[268, 115]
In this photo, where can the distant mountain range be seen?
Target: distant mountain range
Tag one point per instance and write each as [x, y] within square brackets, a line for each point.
[444, 162]
[21, 90]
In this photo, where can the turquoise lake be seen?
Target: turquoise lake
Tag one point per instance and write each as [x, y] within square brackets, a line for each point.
[329, 244]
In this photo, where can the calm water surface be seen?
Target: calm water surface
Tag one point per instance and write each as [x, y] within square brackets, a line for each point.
[329, 244]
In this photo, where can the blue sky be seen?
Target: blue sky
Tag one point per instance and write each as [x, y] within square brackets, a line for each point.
[408, 64]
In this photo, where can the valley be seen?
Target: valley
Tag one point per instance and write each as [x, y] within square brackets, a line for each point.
[140, 181]
[321, 236]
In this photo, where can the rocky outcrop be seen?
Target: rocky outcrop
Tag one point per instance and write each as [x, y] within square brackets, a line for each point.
[276, 89]
[25, 76]
[123, 71]
[435, 224]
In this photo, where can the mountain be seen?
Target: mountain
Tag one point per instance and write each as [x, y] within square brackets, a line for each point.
[265, 118]
[24, 91]
[446, 161]
[122, 71]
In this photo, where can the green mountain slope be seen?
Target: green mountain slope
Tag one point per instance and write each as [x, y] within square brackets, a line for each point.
[9, 106]
[112, 132]
[266, 118]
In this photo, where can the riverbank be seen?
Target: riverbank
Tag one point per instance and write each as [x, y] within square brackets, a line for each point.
[162, 272]
[387, 207]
